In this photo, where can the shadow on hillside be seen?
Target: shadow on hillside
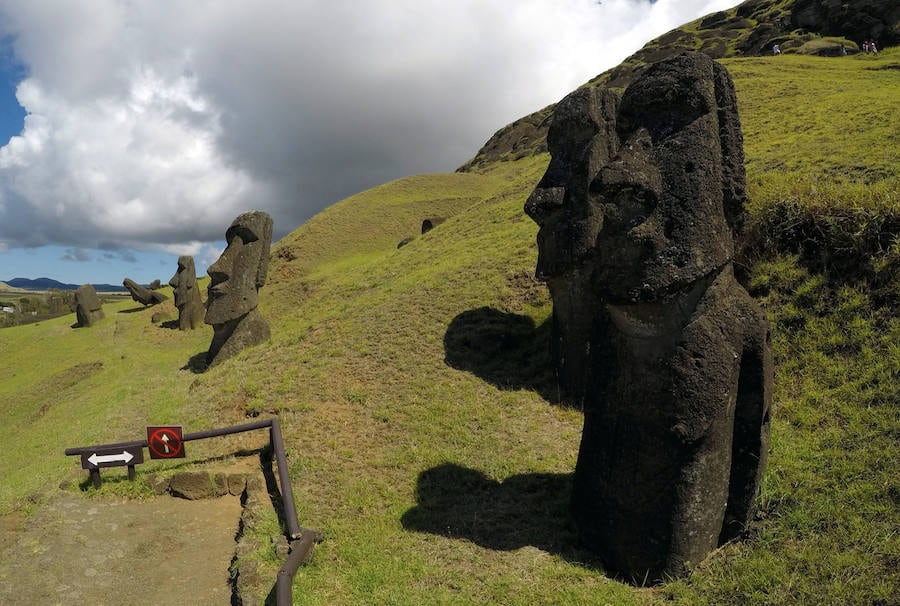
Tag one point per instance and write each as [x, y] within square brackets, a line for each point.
[169, 324]
[505, 349]
[197, 363]
[133, 310]
[522, 510]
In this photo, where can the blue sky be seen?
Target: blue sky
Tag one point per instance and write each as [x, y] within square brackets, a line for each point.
[148, 126]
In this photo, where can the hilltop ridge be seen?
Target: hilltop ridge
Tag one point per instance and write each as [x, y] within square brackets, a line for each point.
[814, 27]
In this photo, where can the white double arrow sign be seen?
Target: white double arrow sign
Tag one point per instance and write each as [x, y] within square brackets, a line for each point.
[96, 459]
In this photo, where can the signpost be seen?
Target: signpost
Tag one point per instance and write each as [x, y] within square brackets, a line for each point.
[166, 442]
[94, 459]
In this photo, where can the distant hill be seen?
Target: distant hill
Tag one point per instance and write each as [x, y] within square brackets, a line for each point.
[47, 283]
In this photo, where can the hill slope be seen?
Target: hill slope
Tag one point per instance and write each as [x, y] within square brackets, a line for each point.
[419, 419]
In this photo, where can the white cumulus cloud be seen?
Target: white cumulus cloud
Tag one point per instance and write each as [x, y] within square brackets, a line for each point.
[152, 124]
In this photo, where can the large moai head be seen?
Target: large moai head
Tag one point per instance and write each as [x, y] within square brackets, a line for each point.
[239, 273]
[235, 280]
[644, 194]
[88, 308]
[187, 294]
[640, 200]
[675, 190]
[581, 138]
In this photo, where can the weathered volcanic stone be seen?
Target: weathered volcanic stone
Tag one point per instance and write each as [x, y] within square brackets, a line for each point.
[155, 285]
[236, 278]
[143, 295]
[88, 308]
[637, 217]
[187, 294]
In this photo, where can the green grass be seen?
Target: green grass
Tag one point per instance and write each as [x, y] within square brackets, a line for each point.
[440, 477]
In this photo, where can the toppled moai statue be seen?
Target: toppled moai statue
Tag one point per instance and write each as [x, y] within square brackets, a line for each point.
[142, 294]
[155, 285]
[187, 294]
[236, 278]
[88, 308]
[638, 213]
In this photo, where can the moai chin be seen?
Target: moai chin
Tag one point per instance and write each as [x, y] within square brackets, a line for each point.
[638, 213]
[235, 280]
[88, 308]
[187, 294]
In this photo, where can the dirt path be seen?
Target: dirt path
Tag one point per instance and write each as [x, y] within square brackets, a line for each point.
[104, 552]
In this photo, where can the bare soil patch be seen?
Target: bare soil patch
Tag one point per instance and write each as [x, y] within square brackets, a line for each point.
[78, 550]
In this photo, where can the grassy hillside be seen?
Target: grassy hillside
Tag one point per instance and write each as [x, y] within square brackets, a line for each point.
[419, 419]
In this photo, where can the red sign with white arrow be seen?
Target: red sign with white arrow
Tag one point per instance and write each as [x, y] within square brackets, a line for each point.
[165, 442]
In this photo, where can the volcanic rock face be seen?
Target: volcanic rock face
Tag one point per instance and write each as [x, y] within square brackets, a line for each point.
[187, 294]
[668, 353]
[236, 278]
[88, 308]
[143, 295]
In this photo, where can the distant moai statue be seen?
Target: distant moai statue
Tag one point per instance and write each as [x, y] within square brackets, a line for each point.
[142, 294]
[638, 212]
[88, 308]
[235, 280]
[187, 294]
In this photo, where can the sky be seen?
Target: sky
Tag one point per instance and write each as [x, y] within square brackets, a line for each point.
[134, 131]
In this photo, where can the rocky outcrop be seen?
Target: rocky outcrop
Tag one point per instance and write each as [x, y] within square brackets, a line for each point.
[637, 213]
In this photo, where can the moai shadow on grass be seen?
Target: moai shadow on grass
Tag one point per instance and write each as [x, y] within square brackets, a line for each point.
[88, 308]
[187, 294]
[235, 280]
[638, 213]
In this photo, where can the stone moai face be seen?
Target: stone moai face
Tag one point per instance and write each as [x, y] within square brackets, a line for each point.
[235, 280]
[187, 294]
[643, 188]
[240, 271]
[669, 354]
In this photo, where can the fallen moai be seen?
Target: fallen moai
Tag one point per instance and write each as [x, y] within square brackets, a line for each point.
[142, 294]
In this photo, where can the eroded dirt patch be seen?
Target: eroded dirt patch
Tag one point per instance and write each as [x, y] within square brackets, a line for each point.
[78, 550]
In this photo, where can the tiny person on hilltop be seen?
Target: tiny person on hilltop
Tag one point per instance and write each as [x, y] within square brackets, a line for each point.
[776, 50]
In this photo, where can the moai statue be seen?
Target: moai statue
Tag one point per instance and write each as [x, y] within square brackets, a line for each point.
[236, 278]
[581, 139]
[187, 294]
[677, 364]
[88, 308]
[142, 294]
